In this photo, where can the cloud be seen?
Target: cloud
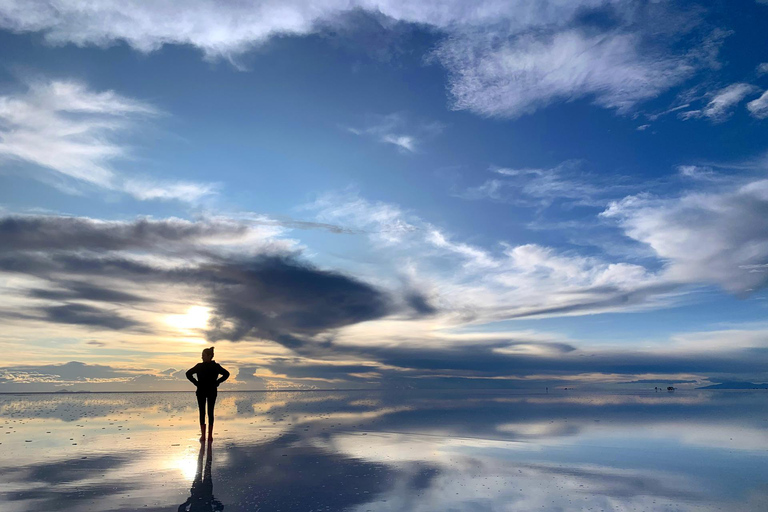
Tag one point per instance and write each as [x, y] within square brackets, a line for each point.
[510, 76]
[717, 237]
[88, 316]
[287, 301]
[505, 58]
[78, 290]
[59, 233]
[396, 129]
[471, 283]
[265, 291]
[70, 133]
[697, 172]
[762, 68]
[720, 106]
[230, 29]
[759, 108]
[566, 182]
[71, 371]
[385, 223]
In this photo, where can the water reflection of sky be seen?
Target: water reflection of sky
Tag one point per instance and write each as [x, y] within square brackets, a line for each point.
[369, 451]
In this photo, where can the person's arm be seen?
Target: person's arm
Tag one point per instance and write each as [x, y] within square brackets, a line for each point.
[224, 375]
[190, 377]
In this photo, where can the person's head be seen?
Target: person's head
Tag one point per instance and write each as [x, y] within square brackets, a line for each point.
[208, 354]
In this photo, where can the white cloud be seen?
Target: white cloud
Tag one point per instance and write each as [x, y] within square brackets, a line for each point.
[697, 172]
[759, 108]
[162, 190]
[406, 142]
[522, 73]
[71, 132]
[542, 187]
[504, 72]
[719, 238]
[229, 28]
[720, 106]
[383, 222]
[762, 68]
[473, 283]
[396, 129]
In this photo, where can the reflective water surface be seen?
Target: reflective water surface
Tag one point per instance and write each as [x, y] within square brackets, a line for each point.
[387, 451]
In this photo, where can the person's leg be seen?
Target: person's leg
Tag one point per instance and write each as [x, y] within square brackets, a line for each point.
[201, 410]
[211, 405]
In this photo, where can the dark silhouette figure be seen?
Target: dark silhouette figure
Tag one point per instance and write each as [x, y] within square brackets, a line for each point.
[201, 494]
[207, 381]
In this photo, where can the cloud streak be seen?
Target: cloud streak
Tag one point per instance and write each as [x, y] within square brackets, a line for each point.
[69, 133]
[721, 105]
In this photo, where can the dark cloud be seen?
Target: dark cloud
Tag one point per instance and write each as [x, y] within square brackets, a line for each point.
[298, 368]
[71, 371]
[636, 297]
[282, 299]
[89, 316]
[83, 291]
[245, 374]
[273, 296]
[49, 233]
[420, 304]
[486, 364]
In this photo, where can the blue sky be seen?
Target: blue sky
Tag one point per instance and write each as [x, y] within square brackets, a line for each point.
[328, 189]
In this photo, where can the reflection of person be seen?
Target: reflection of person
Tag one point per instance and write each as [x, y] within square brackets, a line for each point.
[207, 381]
[201, 494]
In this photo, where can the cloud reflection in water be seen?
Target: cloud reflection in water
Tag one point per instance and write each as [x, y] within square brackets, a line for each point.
[385, 451]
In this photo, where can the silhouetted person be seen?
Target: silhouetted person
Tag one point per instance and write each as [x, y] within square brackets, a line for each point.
[201, 494]
[207, 381]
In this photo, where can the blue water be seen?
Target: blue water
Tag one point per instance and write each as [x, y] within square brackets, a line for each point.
[387, 451]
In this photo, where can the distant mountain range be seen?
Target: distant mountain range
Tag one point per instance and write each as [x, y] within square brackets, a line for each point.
[736, 385]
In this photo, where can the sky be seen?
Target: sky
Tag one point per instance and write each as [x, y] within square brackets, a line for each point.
[360, 193]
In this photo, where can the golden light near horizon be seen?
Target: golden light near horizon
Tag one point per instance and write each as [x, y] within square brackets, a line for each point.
[196, 317]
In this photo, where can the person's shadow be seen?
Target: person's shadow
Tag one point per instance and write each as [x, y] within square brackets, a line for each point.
[201, 494]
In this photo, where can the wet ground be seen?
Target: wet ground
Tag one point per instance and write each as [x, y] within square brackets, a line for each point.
[387, 451]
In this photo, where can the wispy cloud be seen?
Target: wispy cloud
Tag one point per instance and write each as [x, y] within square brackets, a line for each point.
[720, 107]
[398, 130]
[759, 107]
[511, 75]
[567, 181]
[70, 134]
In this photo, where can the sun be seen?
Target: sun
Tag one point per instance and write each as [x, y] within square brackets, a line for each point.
[196, 317]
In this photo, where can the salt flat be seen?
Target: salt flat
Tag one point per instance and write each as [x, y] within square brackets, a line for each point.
[387, 451]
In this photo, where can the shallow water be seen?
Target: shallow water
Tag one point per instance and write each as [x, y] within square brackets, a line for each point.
[387, 451]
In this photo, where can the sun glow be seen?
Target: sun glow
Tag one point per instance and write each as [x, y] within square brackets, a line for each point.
[187, 465]
[196, 317]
